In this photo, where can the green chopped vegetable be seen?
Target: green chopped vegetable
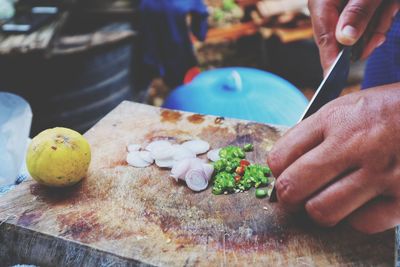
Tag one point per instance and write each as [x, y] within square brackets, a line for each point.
[224, 182]
[254, 176]
[218, 14]
[261, 193]
[248, 147]
[235, 174]
[228, 5]
[232, 152]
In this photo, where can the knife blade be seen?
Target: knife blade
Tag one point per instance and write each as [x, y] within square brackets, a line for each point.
[333, 84]
[329, 89]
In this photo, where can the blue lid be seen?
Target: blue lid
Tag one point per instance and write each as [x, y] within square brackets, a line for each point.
[241, 93]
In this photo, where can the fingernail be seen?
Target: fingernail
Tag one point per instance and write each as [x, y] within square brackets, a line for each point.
[350, 32]
[395, 12]
[381, 41]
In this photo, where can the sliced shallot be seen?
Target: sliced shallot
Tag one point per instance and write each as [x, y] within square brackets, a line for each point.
[196, 180]
[208, 170]
[180, 152]
[157, 144]
[196, 163]
[146, 156]
[197, 146]
[133, 147]
[213, 154]
[161, 150]
[180, 169]
[165, 163]
[135, 160]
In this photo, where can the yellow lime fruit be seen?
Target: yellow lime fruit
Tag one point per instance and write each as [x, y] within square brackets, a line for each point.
[58, 157]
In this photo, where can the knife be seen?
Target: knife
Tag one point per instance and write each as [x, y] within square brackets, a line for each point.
[332, 85]
[330, 89]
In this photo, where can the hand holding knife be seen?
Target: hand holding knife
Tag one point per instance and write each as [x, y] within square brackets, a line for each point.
[332, 85]
[334, 82]
[330, 88]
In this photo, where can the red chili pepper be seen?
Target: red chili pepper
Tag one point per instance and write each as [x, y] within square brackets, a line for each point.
[240, 170]
[244, 163]
[238, 178]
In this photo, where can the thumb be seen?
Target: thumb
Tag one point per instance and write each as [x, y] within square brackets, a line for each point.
[354, 20]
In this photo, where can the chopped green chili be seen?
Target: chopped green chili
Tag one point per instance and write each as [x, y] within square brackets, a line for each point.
[261, 193]
[235, 174]
[248, 147]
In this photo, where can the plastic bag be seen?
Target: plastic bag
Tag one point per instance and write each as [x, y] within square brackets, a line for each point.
[7, 10]
[15, 124]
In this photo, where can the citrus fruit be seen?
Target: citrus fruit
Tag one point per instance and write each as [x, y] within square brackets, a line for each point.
[58, 157]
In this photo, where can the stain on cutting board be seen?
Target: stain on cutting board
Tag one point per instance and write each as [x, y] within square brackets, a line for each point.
[196, 118]
[170, 116]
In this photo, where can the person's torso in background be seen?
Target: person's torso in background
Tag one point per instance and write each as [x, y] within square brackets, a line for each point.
[383, 66]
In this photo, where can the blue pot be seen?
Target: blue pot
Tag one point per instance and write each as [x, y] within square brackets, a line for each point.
[241, 93]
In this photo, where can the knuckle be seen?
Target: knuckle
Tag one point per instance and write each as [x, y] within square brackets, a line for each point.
[318, 214]
[384, 163]
[368, 181]
[285, 191]
[395, 180]
[359, 10]
[330, 114]
[274, 160]
[324, 39]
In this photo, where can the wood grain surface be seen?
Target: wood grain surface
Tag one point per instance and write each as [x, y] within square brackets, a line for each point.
[122, 216]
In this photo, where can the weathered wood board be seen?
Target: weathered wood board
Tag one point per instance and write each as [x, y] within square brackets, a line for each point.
[121, 216]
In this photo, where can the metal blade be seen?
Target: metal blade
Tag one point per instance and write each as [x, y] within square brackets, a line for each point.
[333, 84]
[330, 89]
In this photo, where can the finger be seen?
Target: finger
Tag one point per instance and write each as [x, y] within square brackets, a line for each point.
[296, 142]
[379, 33]
[376, 40]
[324, 16]
[377, 216]
[341, 198]
[312, 172]
[354, 20]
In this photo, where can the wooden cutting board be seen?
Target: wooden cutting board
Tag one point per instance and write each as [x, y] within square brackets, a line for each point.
[121, 216]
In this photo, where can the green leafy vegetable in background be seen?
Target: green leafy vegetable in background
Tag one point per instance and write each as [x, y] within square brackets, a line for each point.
[218, 14]
[228, 5]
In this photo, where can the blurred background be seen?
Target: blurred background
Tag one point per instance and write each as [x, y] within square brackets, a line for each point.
[76, 60]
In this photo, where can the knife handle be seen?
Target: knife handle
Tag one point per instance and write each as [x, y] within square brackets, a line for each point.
[358, 49]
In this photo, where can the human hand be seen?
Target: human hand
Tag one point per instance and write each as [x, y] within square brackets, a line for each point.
[333, 27]
[344, 161]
